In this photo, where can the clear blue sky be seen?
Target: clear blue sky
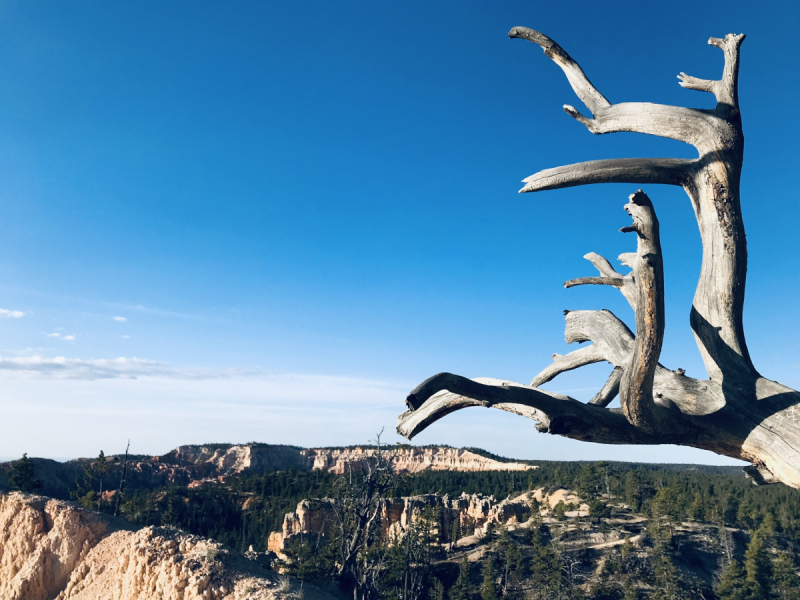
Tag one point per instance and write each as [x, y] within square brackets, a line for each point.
[270, 220]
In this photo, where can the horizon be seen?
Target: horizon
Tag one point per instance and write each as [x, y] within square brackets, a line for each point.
[6, 459]
[275, 221]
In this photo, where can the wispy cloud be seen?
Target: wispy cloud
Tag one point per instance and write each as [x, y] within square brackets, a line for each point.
[54, 334]
[120, 319]
[68, 338]
[11, 314]
[60, 367]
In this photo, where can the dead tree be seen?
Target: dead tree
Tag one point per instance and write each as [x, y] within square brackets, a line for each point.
[736, 412]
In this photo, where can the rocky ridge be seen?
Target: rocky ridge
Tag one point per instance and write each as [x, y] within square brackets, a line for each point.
[228, 460]
[53, 550]
[196, 465]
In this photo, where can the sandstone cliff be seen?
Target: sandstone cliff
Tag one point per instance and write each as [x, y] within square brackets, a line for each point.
[227, 460]
[52, 550]
[207, 464]
[465, 516]
[409, 459]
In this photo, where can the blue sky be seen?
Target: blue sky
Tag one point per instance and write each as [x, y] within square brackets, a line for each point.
[269, 221]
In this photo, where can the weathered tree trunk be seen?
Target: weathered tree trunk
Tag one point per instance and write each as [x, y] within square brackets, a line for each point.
[736, 412]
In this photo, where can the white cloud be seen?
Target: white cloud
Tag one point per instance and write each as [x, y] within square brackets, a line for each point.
[11, 314]
[54, 334]
[120, 319]
[69, 338]
[60, 367]
[125, 337]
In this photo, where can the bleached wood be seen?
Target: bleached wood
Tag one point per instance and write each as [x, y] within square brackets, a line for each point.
[636, 387]
[712, 182]
[736, 412]
[610, 390]
[670, 171]
[609, 276]
[561, 364]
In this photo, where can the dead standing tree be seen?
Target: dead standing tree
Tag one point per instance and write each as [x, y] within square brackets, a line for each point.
[736, 412]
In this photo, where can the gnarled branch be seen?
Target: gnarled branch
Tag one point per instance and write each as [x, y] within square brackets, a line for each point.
[583, 88]
[736, 412]
[712, 183]
[636, 387]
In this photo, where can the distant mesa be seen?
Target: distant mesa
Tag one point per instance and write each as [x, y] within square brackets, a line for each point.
[211, 464]
[229, 460]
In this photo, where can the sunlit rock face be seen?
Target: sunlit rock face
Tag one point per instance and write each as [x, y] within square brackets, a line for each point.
[53, 550]
[466, 515]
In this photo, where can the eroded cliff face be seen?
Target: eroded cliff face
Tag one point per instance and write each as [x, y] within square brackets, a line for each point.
[464, 516]
[409, 460]
[52, 550]
[229, 460]
[205, 465]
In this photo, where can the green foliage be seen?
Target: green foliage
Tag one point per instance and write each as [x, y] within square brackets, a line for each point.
[697, 509]
[245, 510]
[758, 566]
[785, 582]
[590, 480]
[599, 510]
[489, 586]
[89, 491]
[310, 560]
[733, 584]
[22, 475]
[559, 510]
[463, 588]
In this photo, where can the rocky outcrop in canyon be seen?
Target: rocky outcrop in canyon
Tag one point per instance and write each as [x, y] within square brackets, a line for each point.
[52, 550]
[466, 515]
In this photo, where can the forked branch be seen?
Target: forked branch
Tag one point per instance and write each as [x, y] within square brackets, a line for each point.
[609, 276]
[736, 412]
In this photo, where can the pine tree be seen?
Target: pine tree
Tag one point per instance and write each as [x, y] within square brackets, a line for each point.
[633, 490]
[489, 587]
[785, 582]
[462, 588]
[757, 566]
[697, 509]
[89, 492]
[733, 584]
[436, 590]
[630, 593]
[22, 475]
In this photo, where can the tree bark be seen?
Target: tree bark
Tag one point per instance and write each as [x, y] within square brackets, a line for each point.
[735, 412]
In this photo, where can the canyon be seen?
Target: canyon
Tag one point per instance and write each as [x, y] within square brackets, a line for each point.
[53, 550]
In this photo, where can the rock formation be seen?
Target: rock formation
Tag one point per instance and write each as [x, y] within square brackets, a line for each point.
[472, 514]
[52, 550]
[203, 464]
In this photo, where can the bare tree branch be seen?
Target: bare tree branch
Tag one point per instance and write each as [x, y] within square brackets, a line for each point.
[561, 364]
[736, 412]
[583, 88]
[625, 283]
[724, 89]
[610, 390]
[636, 387]
[669, 171]
[446, 393]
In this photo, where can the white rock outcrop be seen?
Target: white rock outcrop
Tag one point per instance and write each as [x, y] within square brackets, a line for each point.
[53, 550]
